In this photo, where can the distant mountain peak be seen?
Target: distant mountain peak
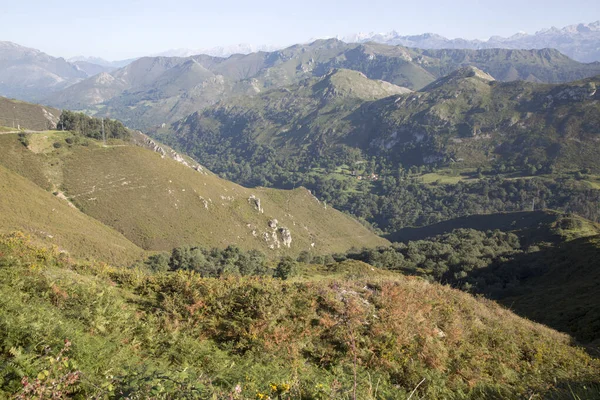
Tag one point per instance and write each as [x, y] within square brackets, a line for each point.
[15, 48]
[471, 72]
[343, 83]
[29, 74]
[467, 73]
[578, 41]
[218, 51]
[100, 61]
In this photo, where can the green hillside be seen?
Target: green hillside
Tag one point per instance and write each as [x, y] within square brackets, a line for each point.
[104, 332]
[476, 122]
[26, 207]
[465, 144]
[465, 118]
[176, 205]
[295, 120]
[542, 66]
[159, 203]
[542, 264]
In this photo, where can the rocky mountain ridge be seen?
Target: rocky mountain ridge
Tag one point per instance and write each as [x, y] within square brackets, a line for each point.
[579, 41]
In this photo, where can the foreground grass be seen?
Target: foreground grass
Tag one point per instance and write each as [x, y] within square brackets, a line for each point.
[354, 332]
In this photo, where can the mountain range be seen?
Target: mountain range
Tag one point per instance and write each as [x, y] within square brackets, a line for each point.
[29, 74]
[46, 74]
[32, 75]
[580, 41]
[152, 91]
[101, 61]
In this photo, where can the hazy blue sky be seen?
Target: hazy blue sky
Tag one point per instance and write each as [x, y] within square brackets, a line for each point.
[117, 29]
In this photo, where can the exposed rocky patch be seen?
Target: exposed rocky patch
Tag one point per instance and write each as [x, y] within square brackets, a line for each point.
[286, 237]
[255, 201]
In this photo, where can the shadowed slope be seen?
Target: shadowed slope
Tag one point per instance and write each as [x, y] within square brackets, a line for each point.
[25, 206]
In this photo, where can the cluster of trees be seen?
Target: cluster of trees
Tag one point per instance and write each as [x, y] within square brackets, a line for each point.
[450, 258]
[92, 127]
[524, 165]
[216, 262]
[415, 204]
[211, 262]
[23, 139]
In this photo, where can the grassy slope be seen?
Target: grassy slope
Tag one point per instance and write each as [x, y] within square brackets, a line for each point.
[555, 285]
[177, 335]
[19, 159]
[26, 115]
[25, 206]
[159, 204]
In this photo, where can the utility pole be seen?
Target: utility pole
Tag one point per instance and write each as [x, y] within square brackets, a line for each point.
[103, 134]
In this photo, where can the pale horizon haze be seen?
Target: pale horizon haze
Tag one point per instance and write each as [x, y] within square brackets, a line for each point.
[124, 29]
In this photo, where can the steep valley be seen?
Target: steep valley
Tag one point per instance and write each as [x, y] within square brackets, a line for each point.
[462, 265]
